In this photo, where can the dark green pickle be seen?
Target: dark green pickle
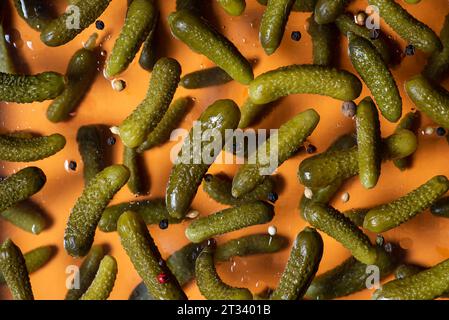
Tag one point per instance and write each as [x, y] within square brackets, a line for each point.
[187, 174]
[210, 284]
[219, 188]
[146, 258]
[36, 259]
[132, 160]
[149, 54]
[91, 150]
[56, 33]
[86, 213]
[87, 272]
[302, 266]
[182, 262]
[210, 77]
[410, 121]
[80, 74]
[152, 212]
[327, 11]
[349, 277]
[14, 270]
[141, 17]
[20, 186]
[30, 88]
[36, 13]
[441, 208]
[20, 149]
[170, 121]
[27, 216]
[324, 41]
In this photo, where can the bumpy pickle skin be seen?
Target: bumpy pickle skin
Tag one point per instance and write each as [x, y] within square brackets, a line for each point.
[209, 77]
[369, 143]
[103, 283]
[395, 213]
[87, 272]
[20, 186]
[26, 216]
[336, 225]
[425, 285]
[357, 216]
[18, 149]
[438, 64]
[323, 169]
[34, 12]
[272, 25]
[30, 88]
[80, 74]
[230, 219]
[187, 173]
[250, 113]
[410, 121]
[85, 215]
[406, 26]
[151, 211]
[374, 72]
[35, 259]
[144, 119]
[170, 121]
[441, 208]
[14, 270]
[140, 18]
[210, 284]
[349, 277]
[149, 54]
[91, 150]
[302, 266]
[429, 98]
[56, 33]
[250, 245]
[141, 249]
[326, 193]
[202, 38]
[182, 265]
[407, 270]
[324, 41]
[140, 292]
[233, 7]
[286, 142]
[327, 11]
[320, 195]
[131, 159]
[219, 188]
[309, 79]
[345, 23]
[182, 262]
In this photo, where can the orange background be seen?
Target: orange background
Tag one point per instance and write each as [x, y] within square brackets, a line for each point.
[425, 237]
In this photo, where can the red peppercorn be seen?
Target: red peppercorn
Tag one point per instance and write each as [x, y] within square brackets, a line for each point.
[162, 278]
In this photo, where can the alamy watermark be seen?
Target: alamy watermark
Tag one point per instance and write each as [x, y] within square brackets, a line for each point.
[373, 279]
[372, 21]
[73, 279]
[204, 146]
[73, 19]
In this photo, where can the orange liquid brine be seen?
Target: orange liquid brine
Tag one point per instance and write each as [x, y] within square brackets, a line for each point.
[425, 238]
